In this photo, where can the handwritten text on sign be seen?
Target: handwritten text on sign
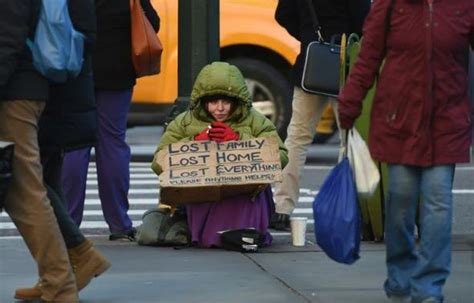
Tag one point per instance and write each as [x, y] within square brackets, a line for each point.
[202, 163]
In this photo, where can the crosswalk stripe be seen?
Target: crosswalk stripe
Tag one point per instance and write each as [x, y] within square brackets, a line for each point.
[84, 224]
[95, 191]
[133, 176]
[152, 201]
[94, 224]
[131, 191]
[93, 171]
[144, 194]
[132, 182]
[133, 201]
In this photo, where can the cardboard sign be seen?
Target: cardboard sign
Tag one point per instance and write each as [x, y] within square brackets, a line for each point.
[207, 171]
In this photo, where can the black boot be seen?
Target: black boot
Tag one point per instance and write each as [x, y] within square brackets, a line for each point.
[280, 221]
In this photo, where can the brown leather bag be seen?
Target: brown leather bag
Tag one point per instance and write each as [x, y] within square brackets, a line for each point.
[146, 46]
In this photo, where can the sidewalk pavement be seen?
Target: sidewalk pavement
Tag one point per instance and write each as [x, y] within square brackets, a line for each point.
[278, 274]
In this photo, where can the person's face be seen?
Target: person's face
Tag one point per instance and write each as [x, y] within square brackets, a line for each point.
[220, 109]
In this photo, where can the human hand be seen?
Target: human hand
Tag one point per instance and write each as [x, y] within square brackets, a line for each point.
[203, 136]
[346, 122]
[222, 132]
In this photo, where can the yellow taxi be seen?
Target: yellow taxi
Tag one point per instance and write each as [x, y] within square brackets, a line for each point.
[250, 38]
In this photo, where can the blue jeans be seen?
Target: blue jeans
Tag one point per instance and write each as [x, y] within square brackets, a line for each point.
[418, 273]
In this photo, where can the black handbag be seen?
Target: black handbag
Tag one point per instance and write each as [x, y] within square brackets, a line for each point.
[6, 159]
[321, 72]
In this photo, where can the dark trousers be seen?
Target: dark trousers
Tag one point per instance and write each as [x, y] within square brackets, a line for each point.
[52, 161]
[112, 161]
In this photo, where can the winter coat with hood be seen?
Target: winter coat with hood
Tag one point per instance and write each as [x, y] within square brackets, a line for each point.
[19, 79]
[113, 68]
[69, 120]
[220, 78]
[335, 17]
[421, 113]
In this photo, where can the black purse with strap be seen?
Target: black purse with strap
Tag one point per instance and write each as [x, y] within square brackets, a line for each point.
[321, 72]
[322, 69]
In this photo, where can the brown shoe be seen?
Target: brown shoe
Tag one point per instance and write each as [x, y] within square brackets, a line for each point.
[33, 293]
[87, 263]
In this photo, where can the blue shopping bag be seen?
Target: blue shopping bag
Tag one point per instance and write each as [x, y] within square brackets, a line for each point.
[337, 220]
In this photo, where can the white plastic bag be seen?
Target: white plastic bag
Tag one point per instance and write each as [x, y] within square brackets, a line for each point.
[366, 173]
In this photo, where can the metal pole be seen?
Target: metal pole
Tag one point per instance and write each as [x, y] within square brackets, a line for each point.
[198, 45]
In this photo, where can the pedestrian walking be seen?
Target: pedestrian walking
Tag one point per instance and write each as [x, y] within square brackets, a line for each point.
[69, 122]
[336, 17]
[420, 126]
[114, 78]
[23, 93]
[221, 110]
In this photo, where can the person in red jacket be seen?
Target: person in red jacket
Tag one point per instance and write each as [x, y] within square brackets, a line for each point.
[420, 126]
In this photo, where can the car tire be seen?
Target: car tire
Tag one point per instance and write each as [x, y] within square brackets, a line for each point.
[266, 82]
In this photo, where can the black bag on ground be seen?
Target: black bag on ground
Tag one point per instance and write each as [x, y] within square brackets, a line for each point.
[6, 159]
[162, 227]
[243, 240]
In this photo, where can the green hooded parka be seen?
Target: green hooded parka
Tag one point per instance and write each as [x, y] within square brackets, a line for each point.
[219, 78]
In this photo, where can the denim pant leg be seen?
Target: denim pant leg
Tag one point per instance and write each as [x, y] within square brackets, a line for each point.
[400, 211]
[436, 212]
[74, 180]
[52, 161]
[307, 110]
[113, 157]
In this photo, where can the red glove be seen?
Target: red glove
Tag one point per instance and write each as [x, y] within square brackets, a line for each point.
[222, 132]
[203, 136]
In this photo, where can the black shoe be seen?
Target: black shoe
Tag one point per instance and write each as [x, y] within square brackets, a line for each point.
[127, 236]
[280, 221]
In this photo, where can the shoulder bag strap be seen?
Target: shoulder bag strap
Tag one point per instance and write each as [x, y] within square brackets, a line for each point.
[314, 18]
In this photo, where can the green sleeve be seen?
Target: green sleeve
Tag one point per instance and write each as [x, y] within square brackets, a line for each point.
[173, 133]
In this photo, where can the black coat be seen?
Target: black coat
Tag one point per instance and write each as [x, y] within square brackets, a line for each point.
[112, 58]
[335, 17]
[19, 79]
[69, 118]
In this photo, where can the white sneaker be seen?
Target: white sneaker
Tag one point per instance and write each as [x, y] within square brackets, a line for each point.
[400, 299]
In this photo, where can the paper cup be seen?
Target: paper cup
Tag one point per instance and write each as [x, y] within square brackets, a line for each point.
[298, 230]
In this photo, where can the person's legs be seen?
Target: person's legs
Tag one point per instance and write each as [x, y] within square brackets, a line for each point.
[400, 211]
[86, 261]
[74, 180]
[113, 159]
[434, 260]
[52, 166]
[27, 203]
[307, 110]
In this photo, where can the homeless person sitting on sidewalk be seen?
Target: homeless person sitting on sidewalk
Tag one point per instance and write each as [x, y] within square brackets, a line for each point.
[220, 99]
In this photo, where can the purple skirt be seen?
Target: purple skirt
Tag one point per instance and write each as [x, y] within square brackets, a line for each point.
[205, 220]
